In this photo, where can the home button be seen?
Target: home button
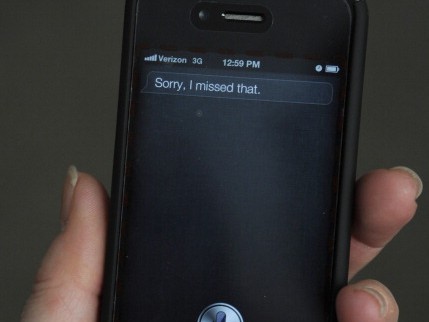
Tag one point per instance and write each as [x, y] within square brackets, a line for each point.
[220, 312]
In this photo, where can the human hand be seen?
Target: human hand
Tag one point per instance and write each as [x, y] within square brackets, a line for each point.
[385, 202]
[68, 284]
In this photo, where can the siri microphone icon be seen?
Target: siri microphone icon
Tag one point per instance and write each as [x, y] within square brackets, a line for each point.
[220, 317]
[220, 312]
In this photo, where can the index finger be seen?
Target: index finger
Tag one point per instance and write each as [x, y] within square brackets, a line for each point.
[385, 202]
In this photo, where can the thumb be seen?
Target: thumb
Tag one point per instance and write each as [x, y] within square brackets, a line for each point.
[68, 283]
[368, 301]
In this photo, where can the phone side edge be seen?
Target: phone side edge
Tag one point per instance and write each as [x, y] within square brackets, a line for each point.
[107, 302]
[350, 147]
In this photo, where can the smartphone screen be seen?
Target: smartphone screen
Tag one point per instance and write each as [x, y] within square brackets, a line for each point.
[229, 197]
[231, 185]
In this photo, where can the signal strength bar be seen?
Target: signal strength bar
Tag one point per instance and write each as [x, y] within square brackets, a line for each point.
[151, 58]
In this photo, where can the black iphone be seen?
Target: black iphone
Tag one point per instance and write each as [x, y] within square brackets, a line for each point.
[235, 160]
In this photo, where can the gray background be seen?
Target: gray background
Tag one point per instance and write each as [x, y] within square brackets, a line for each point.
[59, 71]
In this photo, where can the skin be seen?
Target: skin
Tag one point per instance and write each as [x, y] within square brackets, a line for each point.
[68, 283]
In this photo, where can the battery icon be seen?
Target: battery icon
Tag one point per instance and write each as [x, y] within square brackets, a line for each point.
[332, 69]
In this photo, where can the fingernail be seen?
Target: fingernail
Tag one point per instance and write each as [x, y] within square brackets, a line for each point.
[379, 297]
[68, 190]
[73, 174]
[415, 176]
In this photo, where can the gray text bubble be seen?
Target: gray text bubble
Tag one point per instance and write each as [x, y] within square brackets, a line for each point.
[245, 88]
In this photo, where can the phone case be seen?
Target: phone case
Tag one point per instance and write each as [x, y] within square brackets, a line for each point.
[348, 160]
[350, 146]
